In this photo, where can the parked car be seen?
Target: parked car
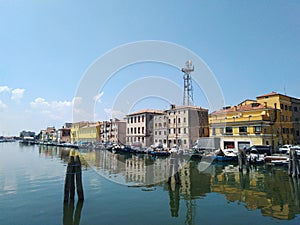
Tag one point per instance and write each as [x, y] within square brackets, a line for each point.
[285, 149]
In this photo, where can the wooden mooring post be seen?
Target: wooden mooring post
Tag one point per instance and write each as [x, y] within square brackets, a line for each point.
[73, 172]
[294, 170]
[242, 159]
[174, 171]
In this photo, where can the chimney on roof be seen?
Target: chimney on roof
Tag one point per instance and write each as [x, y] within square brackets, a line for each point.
[172, 106]
[235, 108]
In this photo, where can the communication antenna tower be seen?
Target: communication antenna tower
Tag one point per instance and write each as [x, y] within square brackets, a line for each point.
[188, 87]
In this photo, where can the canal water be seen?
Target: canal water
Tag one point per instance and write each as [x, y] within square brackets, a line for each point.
[131, 189]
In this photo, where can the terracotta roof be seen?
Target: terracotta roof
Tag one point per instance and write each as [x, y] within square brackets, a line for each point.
[154, 111]
[242, 108]
[273, 93]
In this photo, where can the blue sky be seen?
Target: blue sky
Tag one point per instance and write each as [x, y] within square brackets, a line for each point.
[252, 47]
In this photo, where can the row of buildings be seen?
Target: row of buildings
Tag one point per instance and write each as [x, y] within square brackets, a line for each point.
[270, 119]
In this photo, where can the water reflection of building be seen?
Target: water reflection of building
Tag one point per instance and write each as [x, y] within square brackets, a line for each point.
[272, 192]
[269, 190]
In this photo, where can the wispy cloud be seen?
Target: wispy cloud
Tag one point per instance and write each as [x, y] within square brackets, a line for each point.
[2, 105]
[97, 98]
[4, 89]
[114, 113]
[53, 110]
[17, 94]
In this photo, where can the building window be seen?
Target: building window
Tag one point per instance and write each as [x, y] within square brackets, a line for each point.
[169, 131]
[285, 107]
[139, 119]
[131, 119]
[131, 130]
[178, 130]
[184, 130]
[178, 120]
[174, 120]
[143, 130]
[174, 131]
[135, 119]
[184, 119]
[243, 130]
[159, 133]
[128, 130]
[184, 141]
[169, 121]
[142, 118]
[281, 106]
[155, 132]
[139, 130]
[213, 131]
[135, 130]
[265, 130]
[257, 129]
[297, 133]
[228, 130]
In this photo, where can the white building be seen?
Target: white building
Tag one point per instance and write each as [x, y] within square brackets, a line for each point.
[139, 127]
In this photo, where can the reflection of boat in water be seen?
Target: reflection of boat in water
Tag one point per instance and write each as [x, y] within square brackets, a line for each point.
[160, 152]
[227, 155]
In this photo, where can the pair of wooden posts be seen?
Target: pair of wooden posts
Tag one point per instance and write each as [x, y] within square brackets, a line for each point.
[73, 173]
[174, 171]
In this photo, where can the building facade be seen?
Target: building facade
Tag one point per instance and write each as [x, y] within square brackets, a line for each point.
[89, 133]
[186, 124]
[181, 126]
[113, 131]
[74, 133]
[139, 127]
[271, 119]
[161, 130]
[296, 119]
[63, 135]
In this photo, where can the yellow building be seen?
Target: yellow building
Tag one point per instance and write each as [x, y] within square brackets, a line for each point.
[284, 127]
[74, 134]
[85, 131]
[268, 120]
[89, 133]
